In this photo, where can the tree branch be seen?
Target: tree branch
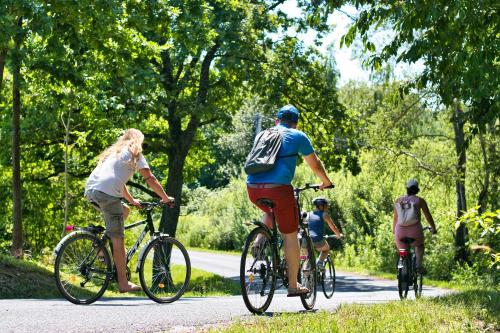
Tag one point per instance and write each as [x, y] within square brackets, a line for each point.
[274, 5]
[205, 74]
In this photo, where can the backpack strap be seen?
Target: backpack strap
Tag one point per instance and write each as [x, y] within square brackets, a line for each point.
[284, 156]
[282, 130]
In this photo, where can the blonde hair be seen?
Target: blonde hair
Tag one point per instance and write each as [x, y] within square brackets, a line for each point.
[132, 140]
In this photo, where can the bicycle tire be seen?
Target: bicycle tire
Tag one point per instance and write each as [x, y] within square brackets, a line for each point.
[165, 270]
[258, 275]
[307, 275]
[328, 278]
[77, 262]
[403, 279]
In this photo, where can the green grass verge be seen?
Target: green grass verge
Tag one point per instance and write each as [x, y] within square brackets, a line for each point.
[30, 279]
[201, 249]
[467, 311]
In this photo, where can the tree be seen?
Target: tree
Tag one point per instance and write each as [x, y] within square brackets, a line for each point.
[209, 53]
[458, 44]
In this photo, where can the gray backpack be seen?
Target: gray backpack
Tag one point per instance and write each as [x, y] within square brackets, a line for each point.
[408, 212]
[264, 152]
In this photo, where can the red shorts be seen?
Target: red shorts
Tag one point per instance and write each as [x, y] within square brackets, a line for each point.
[285, 207]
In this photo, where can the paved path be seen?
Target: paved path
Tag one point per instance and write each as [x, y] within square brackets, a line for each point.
[187, 314]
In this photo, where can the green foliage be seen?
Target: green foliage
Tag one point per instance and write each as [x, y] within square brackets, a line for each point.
[457, 42]
[484, 230]
[217, 224]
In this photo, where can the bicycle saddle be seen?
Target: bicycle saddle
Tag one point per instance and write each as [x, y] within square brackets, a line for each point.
[407, 240]
[265, 202]
[95, 229]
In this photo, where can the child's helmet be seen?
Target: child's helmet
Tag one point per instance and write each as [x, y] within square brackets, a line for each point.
[320, 201]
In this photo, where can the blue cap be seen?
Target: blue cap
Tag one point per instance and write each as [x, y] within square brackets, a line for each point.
[289, 112]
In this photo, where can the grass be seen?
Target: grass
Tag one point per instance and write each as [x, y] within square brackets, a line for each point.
[467, 311]
[201, 249]
[32, 279]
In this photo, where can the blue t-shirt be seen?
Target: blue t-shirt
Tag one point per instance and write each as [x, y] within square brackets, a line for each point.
[316, 225]
[294, 142]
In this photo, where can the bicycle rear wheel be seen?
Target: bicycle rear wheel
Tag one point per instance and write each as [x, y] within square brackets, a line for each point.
[328, 278]
[307, 275]
[165, 270]
[257, 271]
[82, 269]
[403, 279]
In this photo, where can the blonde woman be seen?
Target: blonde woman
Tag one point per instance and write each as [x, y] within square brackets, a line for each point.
[106, 186]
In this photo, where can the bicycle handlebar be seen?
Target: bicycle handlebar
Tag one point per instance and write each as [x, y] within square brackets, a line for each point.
[150, 205]
[315, 187]
[332, 236]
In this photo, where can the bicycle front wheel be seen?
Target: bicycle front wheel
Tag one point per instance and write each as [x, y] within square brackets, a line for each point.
[257, 271]
[82, 269]
[165, 270]
[307, 275]
[328, 278]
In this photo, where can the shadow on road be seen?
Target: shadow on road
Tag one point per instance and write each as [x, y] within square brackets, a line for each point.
[349, 285]
[360, 284]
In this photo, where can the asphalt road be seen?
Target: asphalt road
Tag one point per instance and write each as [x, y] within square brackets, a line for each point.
[187, 314]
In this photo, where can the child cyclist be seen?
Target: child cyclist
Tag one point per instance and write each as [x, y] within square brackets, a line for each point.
[317, 219]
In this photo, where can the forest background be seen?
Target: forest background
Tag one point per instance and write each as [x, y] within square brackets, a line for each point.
[199, 77]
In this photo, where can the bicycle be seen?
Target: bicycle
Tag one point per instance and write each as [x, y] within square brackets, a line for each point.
[326, 276]
[83, 266]
[259, 275]
[408, 275]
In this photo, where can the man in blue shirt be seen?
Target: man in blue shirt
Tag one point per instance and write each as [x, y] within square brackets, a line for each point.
[275, 185]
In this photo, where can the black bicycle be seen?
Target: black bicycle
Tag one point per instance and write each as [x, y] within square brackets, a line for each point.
[326, 276]
[408, 274]
[83, 266]
[263, 262]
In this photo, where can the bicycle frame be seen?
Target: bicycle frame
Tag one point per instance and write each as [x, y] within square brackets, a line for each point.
[149, 228]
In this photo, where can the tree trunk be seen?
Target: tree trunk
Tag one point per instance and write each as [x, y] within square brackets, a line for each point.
[483, 196]
[3, 55]
[17, 232]
[494, 200]
[460, 147]
[66, 176]
[173, 187]
[181, 140]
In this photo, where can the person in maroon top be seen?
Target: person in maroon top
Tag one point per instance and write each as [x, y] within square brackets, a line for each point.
[410, 225]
